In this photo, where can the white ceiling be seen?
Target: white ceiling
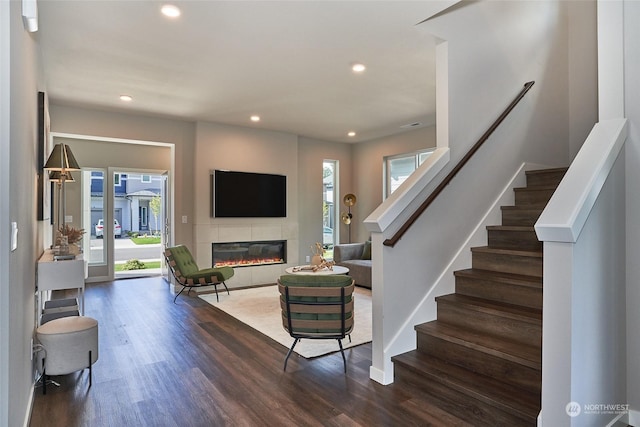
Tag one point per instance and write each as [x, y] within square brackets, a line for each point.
[222, 61]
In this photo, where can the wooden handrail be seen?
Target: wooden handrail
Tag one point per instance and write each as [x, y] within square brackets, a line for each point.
[409, 222]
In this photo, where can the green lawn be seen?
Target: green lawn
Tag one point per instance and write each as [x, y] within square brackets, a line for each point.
[145, 240]
[152, 264]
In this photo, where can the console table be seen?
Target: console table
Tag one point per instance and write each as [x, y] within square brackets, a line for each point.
[62, 274]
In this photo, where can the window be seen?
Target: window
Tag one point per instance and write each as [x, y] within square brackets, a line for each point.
[399, 167]
[145, 178]
[329, 172]
[93, 194]
[116, 179]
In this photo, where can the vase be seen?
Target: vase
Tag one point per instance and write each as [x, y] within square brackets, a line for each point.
[316, 260]
[63, 248]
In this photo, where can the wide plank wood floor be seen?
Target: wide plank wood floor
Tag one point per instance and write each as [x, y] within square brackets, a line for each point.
[189, 364]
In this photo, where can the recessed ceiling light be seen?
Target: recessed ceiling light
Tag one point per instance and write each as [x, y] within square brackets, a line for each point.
[358, 68]
[126, 98]
[255, 118]
[351, 134]
[170, 10]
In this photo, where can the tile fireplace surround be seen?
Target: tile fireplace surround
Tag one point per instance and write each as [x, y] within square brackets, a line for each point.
[241, 231]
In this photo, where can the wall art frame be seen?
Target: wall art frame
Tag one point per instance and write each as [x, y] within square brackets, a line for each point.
[44, 149]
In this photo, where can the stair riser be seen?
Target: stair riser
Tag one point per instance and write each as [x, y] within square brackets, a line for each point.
[508, 263]
[545, 179]
[459, 403]
[498, 291]
[519, 240]
[520, 331]
[532, 197]
[520, 217]
[504, 370]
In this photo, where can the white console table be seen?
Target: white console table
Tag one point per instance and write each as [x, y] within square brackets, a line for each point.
[62, 274]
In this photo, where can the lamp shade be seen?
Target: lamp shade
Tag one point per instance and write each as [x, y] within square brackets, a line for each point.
[56, 176]
[346, 218]
[61, 159]
[349, 199]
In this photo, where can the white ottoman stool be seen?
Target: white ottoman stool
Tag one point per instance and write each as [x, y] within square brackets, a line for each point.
[70, 344]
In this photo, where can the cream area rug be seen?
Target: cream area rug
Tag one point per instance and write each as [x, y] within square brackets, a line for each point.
[260, 309]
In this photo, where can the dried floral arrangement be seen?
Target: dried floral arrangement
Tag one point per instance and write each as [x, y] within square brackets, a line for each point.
[328, 265]
[317, 249]
[324, 265]
[318, 262]
[74, 235]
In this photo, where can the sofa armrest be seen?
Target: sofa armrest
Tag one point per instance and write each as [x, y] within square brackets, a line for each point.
[345, 251]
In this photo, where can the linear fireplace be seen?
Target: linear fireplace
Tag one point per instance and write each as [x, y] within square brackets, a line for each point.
[246, 254]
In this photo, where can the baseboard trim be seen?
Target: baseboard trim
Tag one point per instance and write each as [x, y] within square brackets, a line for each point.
[27, 416]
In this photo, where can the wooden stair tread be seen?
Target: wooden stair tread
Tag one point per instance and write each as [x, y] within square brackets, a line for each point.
[522, 208]
[536, 188]
[523, 354]
[511, 228]
[488, 249]
[527, 314]
[514, 279]
[547, 171]
[506, 397]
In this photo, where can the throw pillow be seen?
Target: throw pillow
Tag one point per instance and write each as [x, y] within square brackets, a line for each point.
[366, 252]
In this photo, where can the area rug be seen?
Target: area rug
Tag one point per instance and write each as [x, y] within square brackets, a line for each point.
[260, 309]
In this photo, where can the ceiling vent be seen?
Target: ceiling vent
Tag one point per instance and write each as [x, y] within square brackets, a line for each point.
[411, 125]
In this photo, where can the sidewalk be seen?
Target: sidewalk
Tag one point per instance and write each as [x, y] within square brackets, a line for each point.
[119, 243]
[128, 274]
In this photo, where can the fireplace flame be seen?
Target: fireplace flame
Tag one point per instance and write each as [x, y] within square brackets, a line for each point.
[245, 254]
[248, 262]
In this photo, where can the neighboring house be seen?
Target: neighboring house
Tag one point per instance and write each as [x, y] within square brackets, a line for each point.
[133, 193]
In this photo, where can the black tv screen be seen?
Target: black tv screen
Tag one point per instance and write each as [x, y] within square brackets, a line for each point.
[248, 195]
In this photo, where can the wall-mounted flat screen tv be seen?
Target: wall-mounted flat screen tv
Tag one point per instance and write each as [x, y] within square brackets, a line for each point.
[248, 195]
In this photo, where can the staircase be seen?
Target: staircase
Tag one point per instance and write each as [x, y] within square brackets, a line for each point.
[481, 360]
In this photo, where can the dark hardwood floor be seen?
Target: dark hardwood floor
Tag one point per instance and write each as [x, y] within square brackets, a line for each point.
[189, 364]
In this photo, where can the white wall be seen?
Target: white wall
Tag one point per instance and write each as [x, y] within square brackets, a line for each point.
[632, 111]
[598, 354]
[583, 72]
